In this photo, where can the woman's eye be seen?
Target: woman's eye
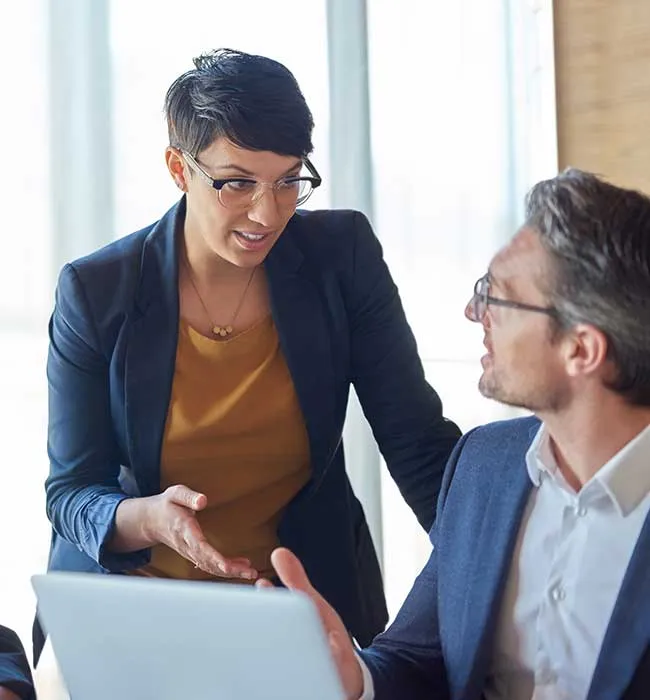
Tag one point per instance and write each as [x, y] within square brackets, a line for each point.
[241, 185]
[289, 183]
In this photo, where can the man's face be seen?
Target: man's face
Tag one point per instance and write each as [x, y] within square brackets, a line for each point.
[242, 236]
[523, 364]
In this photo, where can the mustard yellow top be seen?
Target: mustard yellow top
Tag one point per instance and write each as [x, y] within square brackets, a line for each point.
[234, 432]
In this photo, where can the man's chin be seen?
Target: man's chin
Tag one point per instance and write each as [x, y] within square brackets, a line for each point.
[490, 389]
[486, 387]
[494, 393]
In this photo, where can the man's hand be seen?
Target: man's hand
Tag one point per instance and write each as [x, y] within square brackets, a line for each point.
[6, 694]
[169, 518]
[291, 573]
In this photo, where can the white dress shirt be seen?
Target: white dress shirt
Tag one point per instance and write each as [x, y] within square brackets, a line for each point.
[567, 568]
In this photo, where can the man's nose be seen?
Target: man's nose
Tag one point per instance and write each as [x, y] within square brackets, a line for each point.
[470, 311]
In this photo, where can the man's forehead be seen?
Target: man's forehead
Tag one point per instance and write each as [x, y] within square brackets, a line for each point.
[523, 257]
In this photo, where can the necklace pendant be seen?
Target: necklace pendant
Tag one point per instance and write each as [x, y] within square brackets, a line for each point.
[222, 331]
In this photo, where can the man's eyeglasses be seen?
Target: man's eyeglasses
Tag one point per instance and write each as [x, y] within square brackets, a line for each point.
[482, 299]
[243, 192]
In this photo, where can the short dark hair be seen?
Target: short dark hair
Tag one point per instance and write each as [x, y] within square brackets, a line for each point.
[598, 239]
[254, 101]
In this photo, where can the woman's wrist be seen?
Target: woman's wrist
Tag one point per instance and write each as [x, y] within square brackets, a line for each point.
[135, 525]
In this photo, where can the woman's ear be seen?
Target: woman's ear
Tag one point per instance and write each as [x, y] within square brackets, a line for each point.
[176, 166]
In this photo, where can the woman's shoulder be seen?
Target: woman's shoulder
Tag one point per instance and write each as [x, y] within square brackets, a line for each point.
[120, 254]
[330, 223]
[107, 284]
[332, 236]
[116, 268]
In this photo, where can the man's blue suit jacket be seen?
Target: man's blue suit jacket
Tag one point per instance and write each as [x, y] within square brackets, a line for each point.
[340, 322]
[442, 641]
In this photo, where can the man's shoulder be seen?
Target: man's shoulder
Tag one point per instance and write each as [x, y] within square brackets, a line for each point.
[500, 442]
[503, 434]
[492, 455]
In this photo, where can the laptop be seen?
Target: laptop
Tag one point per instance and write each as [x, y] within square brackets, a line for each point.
[138, 638]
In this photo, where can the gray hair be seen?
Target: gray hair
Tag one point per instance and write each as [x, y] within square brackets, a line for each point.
[598, 239]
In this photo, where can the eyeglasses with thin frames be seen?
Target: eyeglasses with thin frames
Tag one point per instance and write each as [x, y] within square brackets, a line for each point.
[482, 299]
[243, 192]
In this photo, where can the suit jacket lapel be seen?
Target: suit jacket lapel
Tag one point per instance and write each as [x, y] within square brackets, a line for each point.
[151, 350]
[299, 316]
[508, 488]
[628, 633]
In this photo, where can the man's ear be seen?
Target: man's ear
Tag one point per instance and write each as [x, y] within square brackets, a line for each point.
[585, 351]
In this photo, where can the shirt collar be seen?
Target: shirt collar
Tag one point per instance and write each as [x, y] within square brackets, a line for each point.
[539, 457]
[625, 477]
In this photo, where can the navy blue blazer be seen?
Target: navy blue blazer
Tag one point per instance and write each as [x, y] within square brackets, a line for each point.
[14, 669]
[442, 640]
[340, 321]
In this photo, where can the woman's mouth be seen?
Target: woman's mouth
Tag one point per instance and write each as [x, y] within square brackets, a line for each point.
[249, 240]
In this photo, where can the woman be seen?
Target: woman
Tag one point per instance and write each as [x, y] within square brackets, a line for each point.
[199, 369]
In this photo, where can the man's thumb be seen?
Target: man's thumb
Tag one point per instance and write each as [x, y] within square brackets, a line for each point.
[289, 570]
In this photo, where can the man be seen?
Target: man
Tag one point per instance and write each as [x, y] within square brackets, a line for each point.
[538, 585]
[15, 676]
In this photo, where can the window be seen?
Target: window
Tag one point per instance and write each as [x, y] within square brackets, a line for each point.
[456, 127]
[25, 300]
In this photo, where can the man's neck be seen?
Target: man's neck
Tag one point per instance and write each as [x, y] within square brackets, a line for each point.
[584, 438]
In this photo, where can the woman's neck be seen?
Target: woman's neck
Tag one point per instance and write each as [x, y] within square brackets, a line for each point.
[207, 267]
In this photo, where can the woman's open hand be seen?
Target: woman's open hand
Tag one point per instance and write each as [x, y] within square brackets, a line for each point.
[169, 518]
[172, 520]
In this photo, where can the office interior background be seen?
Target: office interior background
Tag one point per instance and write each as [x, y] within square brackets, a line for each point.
[433, 118]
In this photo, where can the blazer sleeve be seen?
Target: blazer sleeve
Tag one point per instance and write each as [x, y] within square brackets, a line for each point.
[406, 661]
[15, 674]
[404, 412]
[82, 489]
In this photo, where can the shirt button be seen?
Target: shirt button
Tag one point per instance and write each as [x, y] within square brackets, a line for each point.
[545, 677]
[557, 594]
[581, 512]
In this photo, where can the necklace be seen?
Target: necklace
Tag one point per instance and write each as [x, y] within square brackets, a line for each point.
[216, 329]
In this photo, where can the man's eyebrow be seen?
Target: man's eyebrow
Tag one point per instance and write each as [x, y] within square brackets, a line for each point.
[499, 282]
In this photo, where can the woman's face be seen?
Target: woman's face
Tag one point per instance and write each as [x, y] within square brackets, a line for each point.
[242, 234]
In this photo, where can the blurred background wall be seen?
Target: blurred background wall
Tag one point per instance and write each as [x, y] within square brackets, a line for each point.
[603, 88]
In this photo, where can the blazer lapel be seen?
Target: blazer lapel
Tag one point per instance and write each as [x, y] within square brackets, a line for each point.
[299, 316]
[628, 633]
[151, 350]
[508, 488]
